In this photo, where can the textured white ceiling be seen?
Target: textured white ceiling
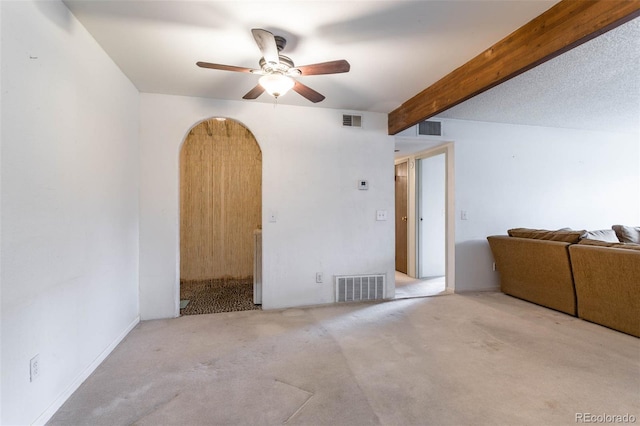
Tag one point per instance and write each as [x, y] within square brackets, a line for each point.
[595, 86]
[396, 48]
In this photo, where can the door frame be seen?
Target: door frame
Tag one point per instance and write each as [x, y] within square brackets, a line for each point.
[446, 148]
[176, 288]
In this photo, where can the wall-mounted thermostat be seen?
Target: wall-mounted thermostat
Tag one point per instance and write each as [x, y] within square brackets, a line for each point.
[363, 184]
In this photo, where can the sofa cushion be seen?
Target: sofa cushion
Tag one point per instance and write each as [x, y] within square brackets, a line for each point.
[544, 234]
[599, 243]
[627, 234]
[603, 235]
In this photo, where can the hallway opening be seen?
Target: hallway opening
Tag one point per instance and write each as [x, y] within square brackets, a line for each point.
[425, 223]
[220, 215]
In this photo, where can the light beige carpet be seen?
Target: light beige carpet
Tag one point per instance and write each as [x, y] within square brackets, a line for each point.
[474, 359]
[407, 286]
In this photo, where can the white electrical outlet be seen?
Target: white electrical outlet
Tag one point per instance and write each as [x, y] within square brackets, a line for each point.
[318, 277]
[34, 368]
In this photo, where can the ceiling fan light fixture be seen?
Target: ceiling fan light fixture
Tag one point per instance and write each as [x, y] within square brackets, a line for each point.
[276, 84]
[279, 74]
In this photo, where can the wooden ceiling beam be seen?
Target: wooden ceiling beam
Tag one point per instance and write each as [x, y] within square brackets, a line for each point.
[564, 26]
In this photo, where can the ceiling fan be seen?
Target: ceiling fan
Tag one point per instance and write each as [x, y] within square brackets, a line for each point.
[277, 70]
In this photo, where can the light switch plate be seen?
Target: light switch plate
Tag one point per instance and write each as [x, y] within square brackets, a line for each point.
[381, 215]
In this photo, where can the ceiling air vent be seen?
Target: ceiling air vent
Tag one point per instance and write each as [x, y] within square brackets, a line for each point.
[430, 128]
[349, 120]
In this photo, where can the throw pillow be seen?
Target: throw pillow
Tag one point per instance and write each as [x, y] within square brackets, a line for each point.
[608, 235]
[627, 234]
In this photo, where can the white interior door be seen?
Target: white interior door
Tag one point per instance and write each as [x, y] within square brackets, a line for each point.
[431, 223]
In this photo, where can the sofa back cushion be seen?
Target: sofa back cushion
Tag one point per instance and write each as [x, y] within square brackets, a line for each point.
[627, 234]
[566, 236]
[629, 246]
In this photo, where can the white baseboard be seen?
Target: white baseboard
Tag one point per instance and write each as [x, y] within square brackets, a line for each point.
[62, 398]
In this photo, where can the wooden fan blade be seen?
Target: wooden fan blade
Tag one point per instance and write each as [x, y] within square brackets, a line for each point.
[254, 93]
[222, 67]
[332, 67]
[267, 44]
[307, 92]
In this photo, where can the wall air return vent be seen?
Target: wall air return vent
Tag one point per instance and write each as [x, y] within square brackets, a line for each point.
[430, 128]
[349, 120]
[353, 288]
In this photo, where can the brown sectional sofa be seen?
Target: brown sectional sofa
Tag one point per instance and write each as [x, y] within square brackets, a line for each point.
[563, 270]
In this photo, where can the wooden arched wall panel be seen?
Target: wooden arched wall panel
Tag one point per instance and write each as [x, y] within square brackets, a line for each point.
[220, 200]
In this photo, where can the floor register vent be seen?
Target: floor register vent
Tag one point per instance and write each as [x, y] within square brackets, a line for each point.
[353, 288]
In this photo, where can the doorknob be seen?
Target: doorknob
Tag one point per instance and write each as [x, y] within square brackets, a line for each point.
[404, 218]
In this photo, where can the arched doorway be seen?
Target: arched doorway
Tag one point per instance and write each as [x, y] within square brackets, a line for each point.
[220, 211]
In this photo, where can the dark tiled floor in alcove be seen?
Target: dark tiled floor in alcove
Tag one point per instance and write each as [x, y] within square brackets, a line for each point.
[216, 295]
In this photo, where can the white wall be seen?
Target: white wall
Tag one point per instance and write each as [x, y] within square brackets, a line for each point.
[511, 176]
[69, 213]
[311, 166]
